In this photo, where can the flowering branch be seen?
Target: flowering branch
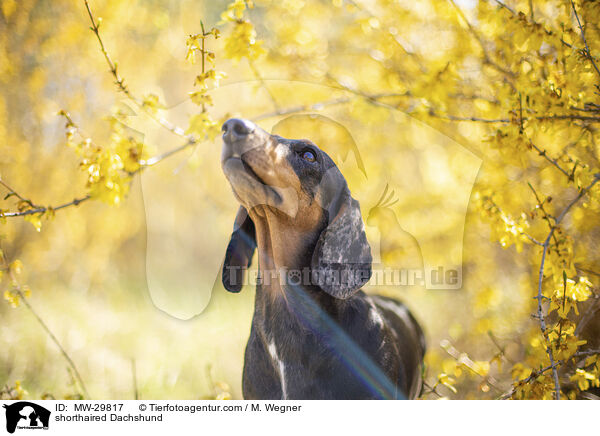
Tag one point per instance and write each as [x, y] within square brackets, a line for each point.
[21, 296]
[120, 82]
[540, 296]
[586, 51]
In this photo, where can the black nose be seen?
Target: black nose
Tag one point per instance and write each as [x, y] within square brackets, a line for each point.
[236, 128]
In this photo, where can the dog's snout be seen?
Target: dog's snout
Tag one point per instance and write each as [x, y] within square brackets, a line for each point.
[236, 128]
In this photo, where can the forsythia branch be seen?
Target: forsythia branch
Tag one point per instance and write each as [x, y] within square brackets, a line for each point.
[71, 363]
[120, 82]
[75, 202]
[540, 296]
[587, 48]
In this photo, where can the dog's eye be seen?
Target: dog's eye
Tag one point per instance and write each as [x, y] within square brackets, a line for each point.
[308, 156]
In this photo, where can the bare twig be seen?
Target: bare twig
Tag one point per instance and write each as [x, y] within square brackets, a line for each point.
[431, 390]
[540, 296]
[158, 158]
[531, 10]
[501, 349]
[45, 327]
[508, 120]
[582, 193]
[374, 98]
[75, 202]
[468, 363]
[587, 353]
[506, 7]
[547, 217]
[586, 270]
[302, 108]
[541, 318]
[486, 57]
[12, 192]
[587, 48]
[136, 394]
[263, 84]
[554, 162]
[34, 208]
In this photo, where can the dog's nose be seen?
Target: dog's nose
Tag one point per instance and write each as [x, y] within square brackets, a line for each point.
[236, 128]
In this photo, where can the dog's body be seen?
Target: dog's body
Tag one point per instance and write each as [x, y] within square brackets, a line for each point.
[314, 334]
[288, 359]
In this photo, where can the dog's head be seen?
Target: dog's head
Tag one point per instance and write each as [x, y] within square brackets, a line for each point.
[295, 192]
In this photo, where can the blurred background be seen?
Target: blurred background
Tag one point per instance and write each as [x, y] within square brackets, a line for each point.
[132, 291]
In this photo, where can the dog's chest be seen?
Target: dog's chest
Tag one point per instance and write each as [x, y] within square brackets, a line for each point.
[285, 360]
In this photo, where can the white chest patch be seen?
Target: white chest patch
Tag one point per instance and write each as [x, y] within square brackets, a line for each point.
[279, 365]
[374, 315]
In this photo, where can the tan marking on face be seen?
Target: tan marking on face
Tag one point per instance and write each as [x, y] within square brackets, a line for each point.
[288, 221]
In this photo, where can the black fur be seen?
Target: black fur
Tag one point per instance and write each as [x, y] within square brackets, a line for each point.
[326, 339]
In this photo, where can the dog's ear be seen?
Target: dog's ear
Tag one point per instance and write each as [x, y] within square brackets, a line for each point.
[341, 262]
[240, 250]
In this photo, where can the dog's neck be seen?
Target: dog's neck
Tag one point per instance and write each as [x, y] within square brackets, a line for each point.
[283, 247]
[294, 308]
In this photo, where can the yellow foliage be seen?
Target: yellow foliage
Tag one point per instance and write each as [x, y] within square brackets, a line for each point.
[515, 87]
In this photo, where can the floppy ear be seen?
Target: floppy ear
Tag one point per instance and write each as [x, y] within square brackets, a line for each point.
[240, 250]
[341, 262]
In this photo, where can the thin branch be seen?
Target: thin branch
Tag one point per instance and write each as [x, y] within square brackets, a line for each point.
[263, 84]
[534, 375]
[508, 120]
[467, 362]
[587, 48]
[302, 108]
[158, 158]
[191, 141]
[532, 239]
[587, 353]
[374, 98]
[541, 318]
[540, 296]
[505, 216]
[75, 202]
[591, 310]
[582, 193]
[589, 271]
[72, 365]
[501, 349]
[531, 17]
[506, 7]
[12, 192]
[394, 39]
[547, 217]
[531, 11]
[120, 82]
[136, 394]
[431, 390]
[486, 56]
[35, 209]
[554, 162]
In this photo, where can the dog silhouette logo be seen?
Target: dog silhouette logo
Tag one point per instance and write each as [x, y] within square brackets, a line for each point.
[26, 415]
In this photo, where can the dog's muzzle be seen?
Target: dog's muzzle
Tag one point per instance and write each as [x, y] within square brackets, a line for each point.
[235, 129]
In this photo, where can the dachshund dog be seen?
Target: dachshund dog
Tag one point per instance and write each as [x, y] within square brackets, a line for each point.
[314, 333]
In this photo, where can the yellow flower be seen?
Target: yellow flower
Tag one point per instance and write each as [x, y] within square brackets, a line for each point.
[584, 379]
[203, 126]
[242, 43]
[566, 297]
[235, 11]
